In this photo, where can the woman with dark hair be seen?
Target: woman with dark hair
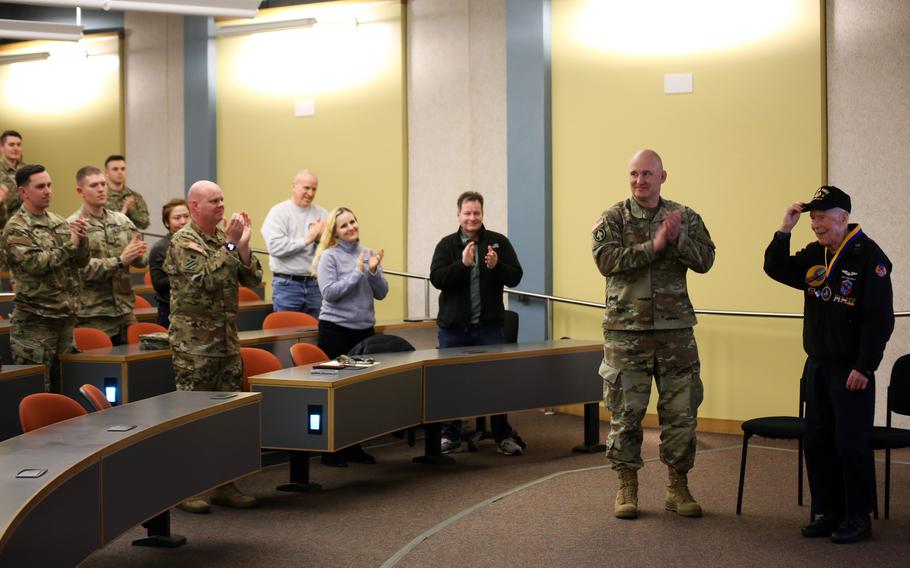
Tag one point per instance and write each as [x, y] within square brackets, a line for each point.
[175, 214]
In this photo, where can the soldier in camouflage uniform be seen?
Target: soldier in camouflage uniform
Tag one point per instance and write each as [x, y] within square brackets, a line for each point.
[120, 197]
[44, 253]
[10, 162]
[644, 246]
[107, 297]
[205, 266]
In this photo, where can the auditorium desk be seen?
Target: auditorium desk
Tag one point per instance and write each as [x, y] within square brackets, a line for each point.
[425, 387]
[148, 292]
[250, 314]
[100, 483]
[16, 383]
[140, 374]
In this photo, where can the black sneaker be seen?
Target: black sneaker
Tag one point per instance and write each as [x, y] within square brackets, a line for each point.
[852, 530]
[334, 459]
[355, 454]
[822, 526]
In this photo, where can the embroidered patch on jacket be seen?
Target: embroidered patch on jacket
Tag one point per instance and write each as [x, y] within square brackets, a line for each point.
[196, 247]
[881, 270]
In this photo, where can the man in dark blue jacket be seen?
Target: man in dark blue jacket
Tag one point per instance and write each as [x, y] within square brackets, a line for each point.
[470, 268]
[848, 318]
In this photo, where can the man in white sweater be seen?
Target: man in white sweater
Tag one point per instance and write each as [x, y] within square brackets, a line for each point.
[291, 231]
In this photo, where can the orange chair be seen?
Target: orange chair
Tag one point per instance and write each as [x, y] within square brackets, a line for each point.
[147, 278]
[249, 295]
[90, 338]
[307, 353]
[141, 328]
[94, 397]
[43, 409]
[276, 320]
[142, 302]
[255, 362]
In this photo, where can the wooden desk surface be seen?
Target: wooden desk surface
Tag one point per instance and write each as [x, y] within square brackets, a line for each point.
[69, 447]
[307, 376]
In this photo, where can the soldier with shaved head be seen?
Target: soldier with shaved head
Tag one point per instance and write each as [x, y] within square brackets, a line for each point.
[644, 246]
[206, 265]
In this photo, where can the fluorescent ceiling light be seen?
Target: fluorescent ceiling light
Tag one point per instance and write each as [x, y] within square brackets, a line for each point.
[22, 29]
[23, 57]
[226, 8]
[254, 27]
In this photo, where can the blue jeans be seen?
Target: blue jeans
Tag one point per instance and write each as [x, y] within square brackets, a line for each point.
[478, 334]
[296, 296]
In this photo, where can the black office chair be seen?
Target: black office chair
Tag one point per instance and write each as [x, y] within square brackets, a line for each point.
[386, 343]
[887, 437]
[778, 428]
[509, 335]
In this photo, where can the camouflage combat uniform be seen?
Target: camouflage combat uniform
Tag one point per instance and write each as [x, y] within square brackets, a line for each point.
[45, 270]
[13, 200]
[205, 277]
[138, 213]
[107, 299]
[648, 329]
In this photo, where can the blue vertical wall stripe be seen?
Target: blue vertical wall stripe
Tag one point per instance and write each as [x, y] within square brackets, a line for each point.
[529, 155]
[199, 99]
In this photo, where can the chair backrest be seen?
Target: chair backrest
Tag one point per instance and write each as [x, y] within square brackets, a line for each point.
[147, 278]
[90, 338]
[142, 302]
[307, 353]
[141, 328]
[255, 362]
[42, 409]
[248, 295]
[94, 397]
[276, 320]
[510, 326]
[899, 389]
[381, 343]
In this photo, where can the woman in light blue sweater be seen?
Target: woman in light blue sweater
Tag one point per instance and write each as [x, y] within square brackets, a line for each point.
[350, 278]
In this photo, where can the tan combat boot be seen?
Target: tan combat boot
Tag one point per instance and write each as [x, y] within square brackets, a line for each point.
[195, 505]
[626, 506]
[678, 497]
[229, 496]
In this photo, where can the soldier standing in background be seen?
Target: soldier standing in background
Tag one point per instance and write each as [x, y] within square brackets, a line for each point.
[44, 253]
[107, 299]
[206, 266]
[120, 197]
[10, 162]
[644, 246]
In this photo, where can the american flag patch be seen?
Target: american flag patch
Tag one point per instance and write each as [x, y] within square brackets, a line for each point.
[196, 247]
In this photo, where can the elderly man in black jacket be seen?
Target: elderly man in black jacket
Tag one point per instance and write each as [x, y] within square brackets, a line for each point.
[845, 280]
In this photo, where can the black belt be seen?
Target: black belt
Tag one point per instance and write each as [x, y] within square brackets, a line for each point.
[293, 277]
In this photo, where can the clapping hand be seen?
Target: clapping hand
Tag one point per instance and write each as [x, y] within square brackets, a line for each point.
[491, 258]
[467, 255]
[78, 229]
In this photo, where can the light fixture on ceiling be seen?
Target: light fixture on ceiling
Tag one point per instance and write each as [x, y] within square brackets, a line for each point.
[23, 57]
[23, 29]
[256, 27]
[225, 8]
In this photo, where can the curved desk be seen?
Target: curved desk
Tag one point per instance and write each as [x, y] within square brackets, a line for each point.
[16, 383]
[100, 483]
[425, 387]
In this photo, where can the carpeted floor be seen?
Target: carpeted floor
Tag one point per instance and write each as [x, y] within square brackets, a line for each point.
[550, 507]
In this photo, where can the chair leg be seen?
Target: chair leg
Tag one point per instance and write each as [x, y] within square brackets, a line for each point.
[874, 492]
[799, 471]
[742, 474]
[887, 484]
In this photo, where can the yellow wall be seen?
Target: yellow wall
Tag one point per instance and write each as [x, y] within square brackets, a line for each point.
[68, 108]
[355, 142]
[745, 144]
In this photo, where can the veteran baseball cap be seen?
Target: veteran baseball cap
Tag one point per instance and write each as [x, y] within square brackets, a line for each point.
[828, 197]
